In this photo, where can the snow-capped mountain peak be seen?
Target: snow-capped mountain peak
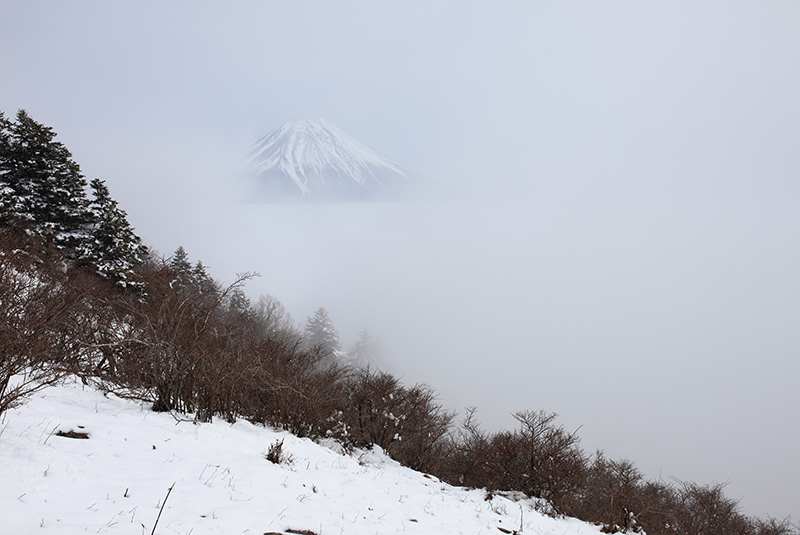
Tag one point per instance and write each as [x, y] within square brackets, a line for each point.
[315, 159]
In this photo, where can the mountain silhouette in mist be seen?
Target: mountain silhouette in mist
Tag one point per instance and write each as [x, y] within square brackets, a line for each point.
[316, 161]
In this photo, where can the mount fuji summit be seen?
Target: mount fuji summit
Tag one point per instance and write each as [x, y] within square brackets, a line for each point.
[316, 161]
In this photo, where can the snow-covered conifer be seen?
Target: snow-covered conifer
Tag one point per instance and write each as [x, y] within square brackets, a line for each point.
[205, 284]
[321, 333]
[112, 246]
[366, 351]
[41, 187]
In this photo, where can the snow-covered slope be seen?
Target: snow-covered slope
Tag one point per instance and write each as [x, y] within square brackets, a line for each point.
[314, 159]
[116, 480]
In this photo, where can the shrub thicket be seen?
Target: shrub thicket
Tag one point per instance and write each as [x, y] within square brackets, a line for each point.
[406, 422]
[46, 313]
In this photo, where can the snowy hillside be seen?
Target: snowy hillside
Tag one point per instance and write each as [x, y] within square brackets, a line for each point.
[116, 480]
[314, 159]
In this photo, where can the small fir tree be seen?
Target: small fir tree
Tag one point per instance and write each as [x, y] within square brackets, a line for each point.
[366, 351]
[203, 281]
[321, 333]
[179, 263]
[112, 247]
[238, 301]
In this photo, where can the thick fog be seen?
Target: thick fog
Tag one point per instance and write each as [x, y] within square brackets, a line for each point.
[624, 248]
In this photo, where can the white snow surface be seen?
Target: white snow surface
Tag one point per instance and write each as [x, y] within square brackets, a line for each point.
[322, 160]
[116, 481]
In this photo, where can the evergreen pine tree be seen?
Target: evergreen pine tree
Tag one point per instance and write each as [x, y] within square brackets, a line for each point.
[205, 284]
[7, 204]
[112, 247]
[16, 193]
[238, 301]
[41, 187]
[321, 333]
[179, 263]
[366, 351]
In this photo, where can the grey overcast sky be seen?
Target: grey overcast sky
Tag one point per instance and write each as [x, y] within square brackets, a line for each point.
[627, 249]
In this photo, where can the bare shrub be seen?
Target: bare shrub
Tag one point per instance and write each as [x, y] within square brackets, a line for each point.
[658, 508]
[406, 422]
[704, 509]
[468, 449]
[772, 526]
[658, 499]
[276, 455]
[694, 509]
[43, 313]
[539, 459]
[165, 328]
[611, 494]
[290, 388]
[272, 320]
[164, 340]
[555, 465]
